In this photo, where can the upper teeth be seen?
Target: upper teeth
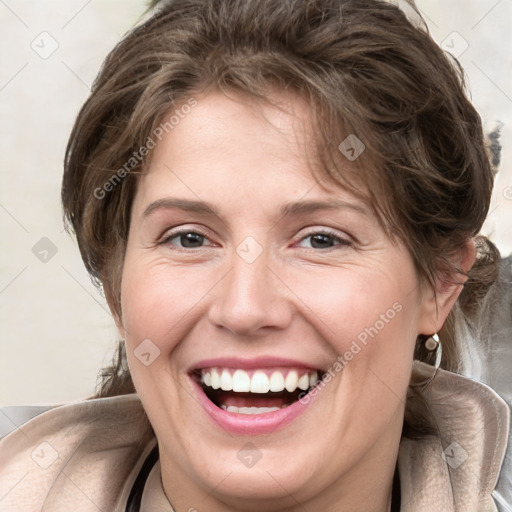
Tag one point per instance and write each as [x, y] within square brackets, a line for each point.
[259, 382]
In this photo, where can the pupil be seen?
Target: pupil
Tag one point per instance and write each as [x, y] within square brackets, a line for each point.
[189, 239]
[324, 241]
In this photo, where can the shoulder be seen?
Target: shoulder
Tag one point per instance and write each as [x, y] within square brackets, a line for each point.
[80, 456]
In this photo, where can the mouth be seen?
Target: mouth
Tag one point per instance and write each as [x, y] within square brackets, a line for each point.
[257, 391]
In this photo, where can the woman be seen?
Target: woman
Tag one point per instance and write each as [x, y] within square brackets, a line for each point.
[281, 202]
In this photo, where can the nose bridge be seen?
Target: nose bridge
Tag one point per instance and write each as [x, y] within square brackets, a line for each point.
[249, 297]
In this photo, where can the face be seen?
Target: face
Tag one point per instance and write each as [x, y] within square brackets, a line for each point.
[245, 274]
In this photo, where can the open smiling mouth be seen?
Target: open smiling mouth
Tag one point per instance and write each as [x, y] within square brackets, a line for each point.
[255, 391]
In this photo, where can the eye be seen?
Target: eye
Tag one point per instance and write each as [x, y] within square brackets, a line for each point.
[185, 239]
[324, 240]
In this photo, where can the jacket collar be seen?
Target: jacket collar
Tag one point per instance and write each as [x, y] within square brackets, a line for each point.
[456, 468]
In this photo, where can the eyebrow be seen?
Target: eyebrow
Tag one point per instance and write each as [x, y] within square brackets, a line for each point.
[295, 208]
[182, 204]
[303, 207]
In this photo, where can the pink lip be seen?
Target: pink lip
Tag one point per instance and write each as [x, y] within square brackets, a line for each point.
[250, 364]
[247, 424]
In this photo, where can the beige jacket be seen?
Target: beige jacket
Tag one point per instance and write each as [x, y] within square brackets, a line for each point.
[86, 456]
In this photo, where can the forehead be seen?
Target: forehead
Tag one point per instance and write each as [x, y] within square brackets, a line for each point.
[234, 118]
[236, 143]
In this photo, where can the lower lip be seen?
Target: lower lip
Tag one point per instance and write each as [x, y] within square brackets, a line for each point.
[250, 424]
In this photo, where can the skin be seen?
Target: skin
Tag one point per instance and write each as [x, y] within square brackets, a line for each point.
[298, 299]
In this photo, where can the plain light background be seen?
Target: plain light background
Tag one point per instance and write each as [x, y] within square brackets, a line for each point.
[56, 330]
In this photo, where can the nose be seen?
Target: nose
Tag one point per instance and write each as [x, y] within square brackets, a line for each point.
[251, 298]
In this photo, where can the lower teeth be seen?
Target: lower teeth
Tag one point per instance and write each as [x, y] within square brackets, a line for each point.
[249, 410]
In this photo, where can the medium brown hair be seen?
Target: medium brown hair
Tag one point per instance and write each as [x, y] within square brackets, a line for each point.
[364, 68]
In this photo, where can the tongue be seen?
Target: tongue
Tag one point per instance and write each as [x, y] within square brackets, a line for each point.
[228, 398]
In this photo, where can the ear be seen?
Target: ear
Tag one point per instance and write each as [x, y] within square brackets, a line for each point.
[437, 303]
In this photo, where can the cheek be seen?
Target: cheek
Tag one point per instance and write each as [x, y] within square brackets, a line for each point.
[368, 318]
[359, 303]
[157, 303]
[158, 300]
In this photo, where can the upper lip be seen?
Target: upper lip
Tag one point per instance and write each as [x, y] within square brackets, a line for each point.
[251, 364]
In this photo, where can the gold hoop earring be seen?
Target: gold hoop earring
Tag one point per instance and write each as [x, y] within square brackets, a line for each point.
[432, 343]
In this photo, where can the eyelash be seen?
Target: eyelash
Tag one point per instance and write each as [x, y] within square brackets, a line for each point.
[340, 241]
[174, 234]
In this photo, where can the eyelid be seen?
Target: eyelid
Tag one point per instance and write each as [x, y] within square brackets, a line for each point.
[344, 240]
[178, 230]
